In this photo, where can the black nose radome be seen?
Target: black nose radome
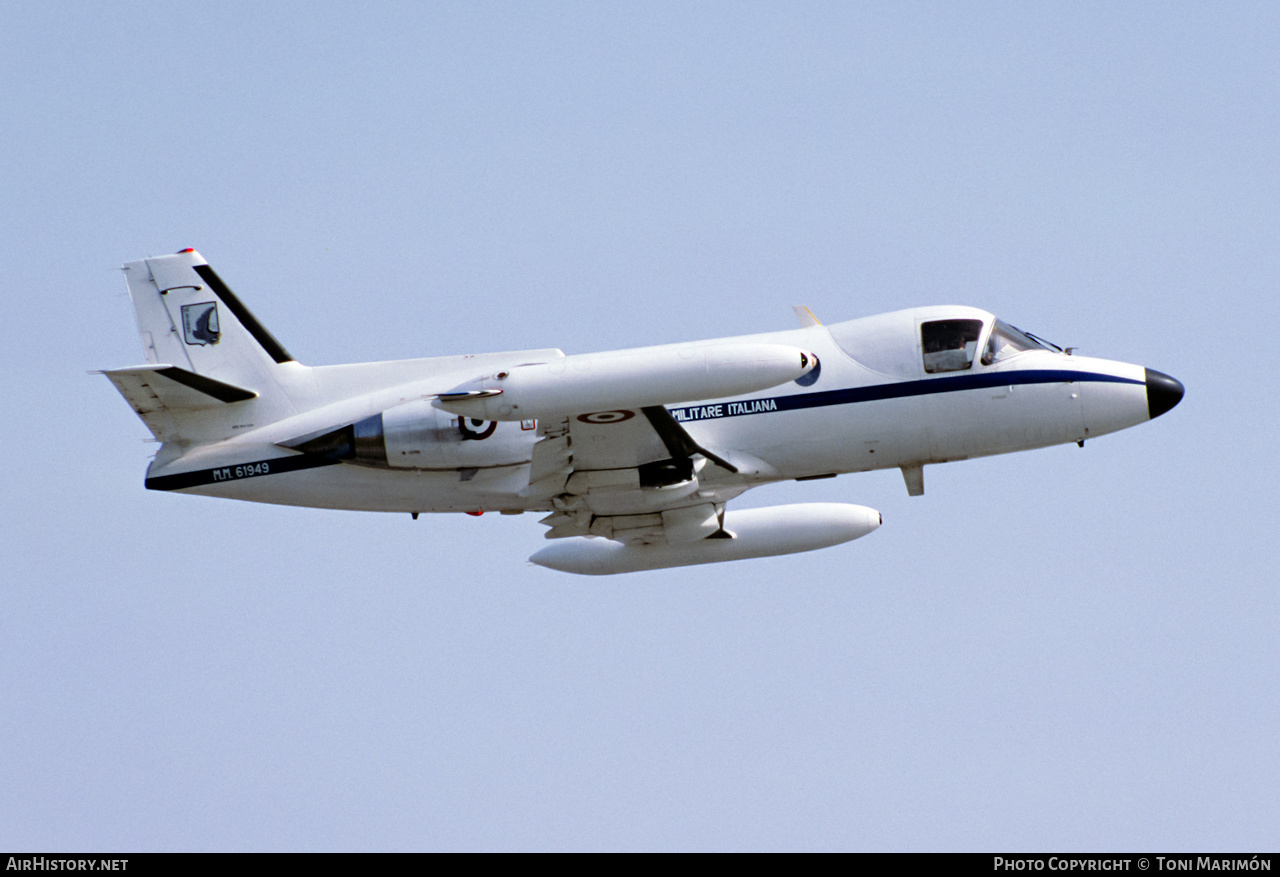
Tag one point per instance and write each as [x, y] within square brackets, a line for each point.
[1163, 392]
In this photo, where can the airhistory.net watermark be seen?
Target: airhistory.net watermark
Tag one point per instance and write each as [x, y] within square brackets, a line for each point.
[42, 863]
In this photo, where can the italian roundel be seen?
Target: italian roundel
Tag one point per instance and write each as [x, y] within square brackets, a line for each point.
[606, 416]
[476, 430]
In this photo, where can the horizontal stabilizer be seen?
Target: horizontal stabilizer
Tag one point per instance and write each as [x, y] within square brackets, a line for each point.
[176, 387]
[154, 390]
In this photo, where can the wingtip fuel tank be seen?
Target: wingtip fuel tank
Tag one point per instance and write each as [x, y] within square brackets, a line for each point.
[765, 532]
[634, 378]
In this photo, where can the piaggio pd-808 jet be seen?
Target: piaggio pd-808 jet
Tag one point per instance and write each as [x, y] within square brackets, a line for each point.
[633, 454]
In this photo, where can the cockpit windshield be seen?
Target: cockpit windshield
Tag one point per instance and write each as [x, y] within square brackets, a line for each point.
[1007, 341]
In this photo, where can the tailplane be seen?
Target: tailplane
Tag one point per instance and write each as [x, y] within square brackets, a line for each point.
[162, 394]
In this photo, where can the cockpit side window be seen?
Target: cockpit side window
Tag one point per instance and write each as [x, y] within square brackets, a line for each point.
[949, 345]
[1007, 341]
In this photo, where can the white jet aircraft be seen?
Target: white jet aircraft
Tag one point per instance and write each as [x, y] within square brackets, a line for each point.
[634, 453]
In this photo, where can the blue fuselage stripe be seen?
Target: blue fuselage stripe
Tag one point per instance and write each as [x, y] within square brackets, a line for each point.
[879, 392]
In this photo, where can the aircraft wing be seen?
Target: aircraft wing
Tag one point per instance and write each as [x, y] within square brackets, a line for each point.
[612, 460]
[633, 475]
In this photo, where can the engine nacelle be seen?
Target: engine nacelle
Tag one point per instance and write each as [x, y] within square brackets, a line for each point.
[417, 435]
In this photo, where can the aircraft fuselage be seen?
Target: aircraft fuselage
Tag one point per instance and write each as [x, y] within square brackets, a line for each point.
[852, 418]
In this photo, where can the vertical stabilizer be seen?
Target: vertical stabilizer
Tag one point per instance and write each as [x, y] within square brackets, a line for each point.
[187, 317]
[215, 368]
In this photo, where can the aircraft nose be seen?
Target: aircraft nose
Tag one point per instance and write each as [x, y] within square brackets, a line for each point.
[1163, 392]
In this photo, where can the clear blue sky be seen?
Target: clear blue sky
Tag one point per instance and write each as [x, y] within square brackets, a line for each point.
[1057, 650]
